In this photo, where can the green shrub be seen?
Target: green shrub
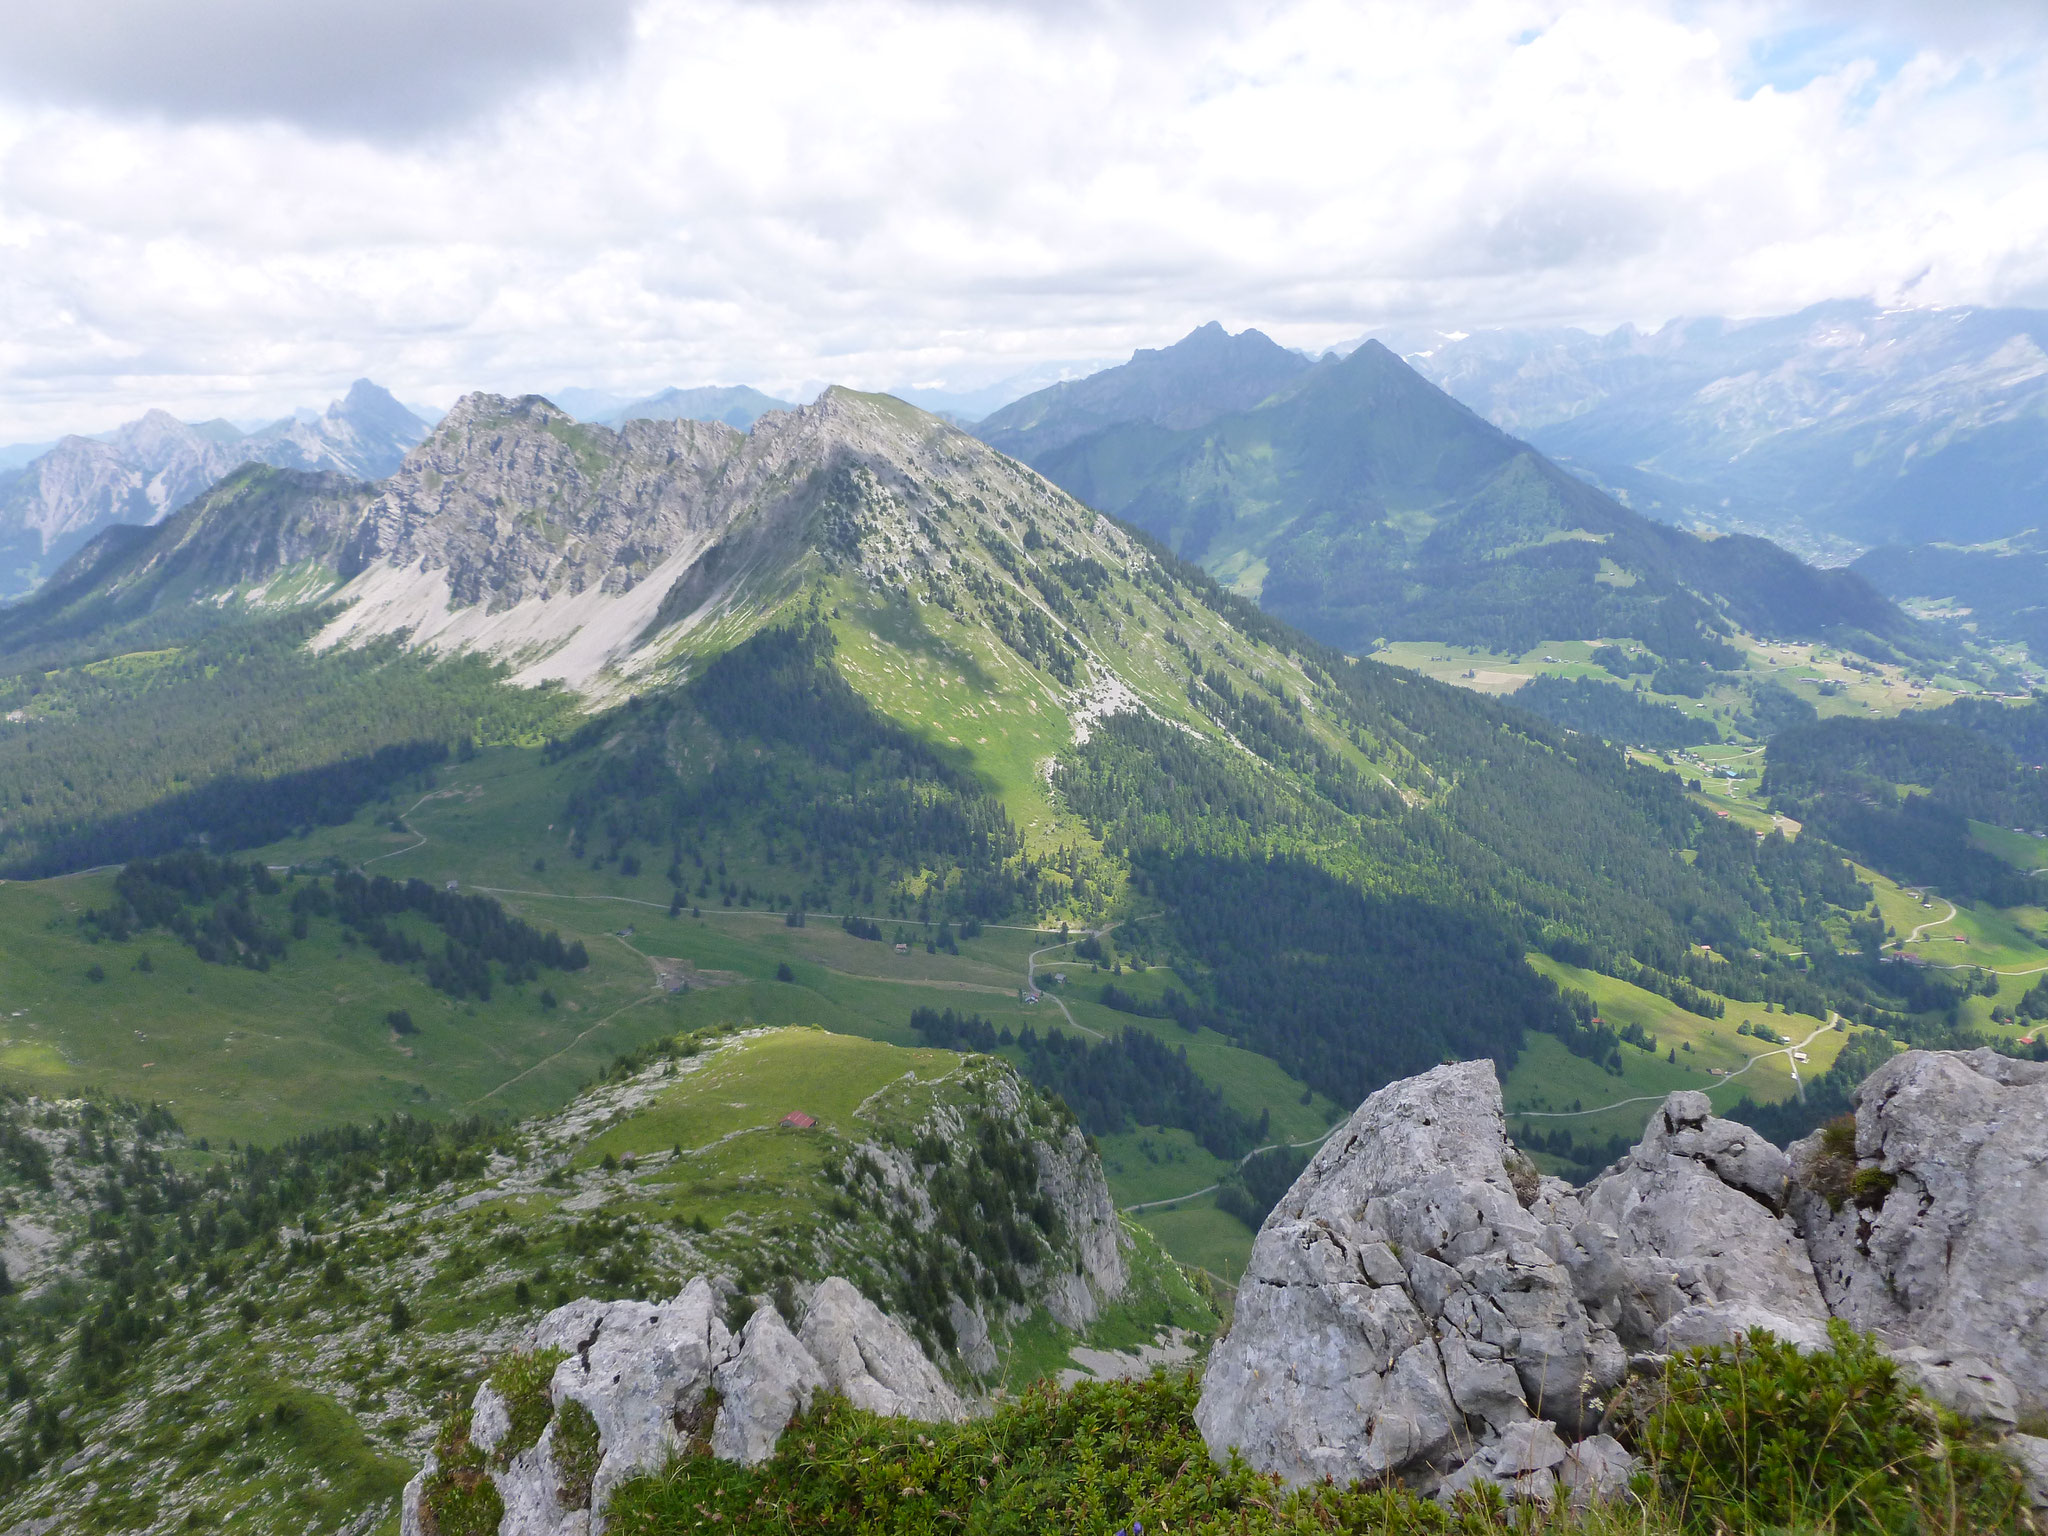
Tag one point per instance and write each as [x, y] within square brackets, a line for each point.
[522, 1380]
[459, 1499]
[1869, 1186]
[1093, 1459]
[1758, 1437]
[576, 1453]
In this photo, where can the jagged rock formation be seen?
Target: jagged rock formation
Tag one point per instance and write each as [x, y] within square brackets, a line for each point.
[1693, 1220]
[1401, 1307]
[881, 1370]
[1938, 1234]
[658, 1379]
[1421, 1305]
[154, 465]
[583, 554]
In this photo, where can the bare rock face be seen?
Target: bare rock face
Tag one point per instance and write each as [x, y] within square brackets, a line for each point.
[636, 1365]
[1940, 1237]
[869, 1359]
[2031, 1452]
[1692, 1221]
[760, 1389]
[1423, 1305]
[654, 1377]
[1401, 1307]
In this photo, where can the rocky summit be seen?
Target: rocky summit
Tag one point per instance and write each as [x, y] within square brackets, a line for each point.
[1423, 1306]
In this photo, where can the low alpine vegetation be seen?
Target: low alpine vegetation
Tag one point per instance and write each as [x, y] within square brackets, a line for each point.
[1749, 1440]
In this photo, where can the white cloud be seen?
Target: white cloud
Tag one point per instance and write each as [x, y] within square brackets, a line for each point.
[884, 191]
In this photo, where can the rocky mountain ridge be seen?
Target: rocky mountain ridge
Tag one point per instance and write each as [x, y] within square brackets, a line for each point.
[1422, 1307]
[578, 553]
[358, 1307]
[152, 466]
[1422, 1297]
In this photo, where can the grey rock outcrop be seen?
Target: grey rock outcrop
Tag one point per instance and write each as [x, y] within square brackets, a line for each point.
[659, 1377]
[761, 1388]
[1421, 1304]
[1944, 1242]
[1700, 1250]
[1401, 1307]
[2031, 1452]
[869, 1359]
[636, 1365]
[1968, 1385]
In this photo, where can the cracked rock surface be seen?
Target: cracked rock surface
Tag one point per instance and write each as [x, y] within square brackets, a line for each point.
[1401, 1308]
[1946, 1245]
[1422, 1305]
[659, 1377]
[1702, 1252]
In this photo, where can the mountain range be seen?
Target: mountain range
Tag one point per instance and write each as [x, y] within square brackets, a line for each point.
[149, 467]
[737, 405]
[1836, 429]
[860, 714]
[1359, 502]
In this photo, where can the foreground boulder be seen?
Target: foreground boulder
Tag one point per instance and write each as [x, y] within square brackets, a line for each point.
[639, 1382]
[1401, 1310]
[1420, 1305]
[1932, 1231]
[1702, 1252]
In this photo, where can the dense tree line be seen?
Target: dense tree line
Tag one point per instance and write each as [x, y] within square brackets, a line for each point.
[235, 812]
[207, 902]
[1603, 709]
[1251, 1190]
[1347, 991]
[1130, 1080]
[1847, 779]
[1583, 1158]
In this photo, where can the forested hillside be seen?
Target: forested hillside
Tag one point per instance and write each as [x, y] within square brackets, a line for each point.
[1901, 793]
[1358, 502]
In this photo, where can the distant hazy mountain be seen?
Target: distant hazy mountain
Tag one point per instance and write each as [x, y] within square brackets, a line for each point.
[1841, 427]
[964, 402]
[1198, 378]
[736, 405]
[1357, 500]
[152, 466]
[14, 455]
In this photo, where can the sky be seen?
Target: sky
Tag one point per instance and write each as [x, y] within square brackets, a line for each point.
[234, 207]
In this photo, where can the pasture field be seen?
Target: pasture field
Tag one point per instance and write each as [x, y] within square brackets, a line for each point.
[2019, 849]
[1556, 1089]
[238, 1053]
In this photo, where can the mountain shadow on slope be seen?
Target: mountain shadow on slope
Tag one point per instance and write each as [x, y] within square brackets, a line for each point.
[771, 748]
[1360, 502]
[1602, 709]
